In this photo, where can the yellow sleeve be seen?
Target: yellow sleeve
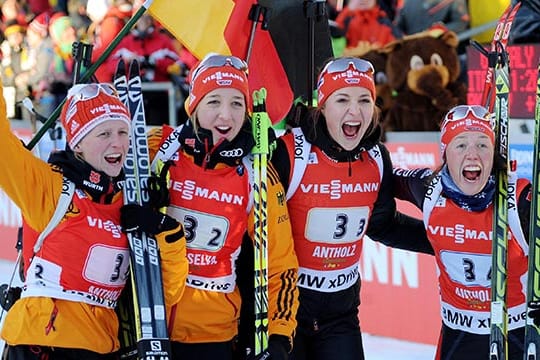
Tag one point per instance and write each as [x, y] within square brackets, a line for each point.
[174, 266]
[27, 180]
[154, 141]
[282, 261]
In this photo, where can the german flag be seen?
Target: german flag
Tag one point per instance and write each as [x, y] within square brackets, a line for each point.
[224, 27]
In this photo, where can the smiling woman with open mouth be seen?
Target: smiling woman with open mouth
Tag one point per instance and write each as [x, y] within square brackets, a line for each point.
[457, 204]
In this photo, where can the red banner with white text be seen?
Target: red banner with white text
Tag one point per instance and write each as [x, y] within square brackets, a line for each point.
[399, 288]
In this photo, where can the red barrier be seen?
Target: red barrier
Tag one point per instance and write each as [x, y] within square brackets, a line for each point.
[8, 236]
[399, 294]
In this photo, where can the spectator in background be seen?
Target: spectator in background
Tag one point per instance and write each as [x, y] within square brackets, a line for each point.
[60, 5]
[526, 25]
[14, 52]
[154, 50]
[366, 27]
[419, 15]
[390, 7]
[108, 19]
[158, 59]
[37, 7]
[38, 64]
[79, 17]
[12, 12]
[180, 79]
[63, 35]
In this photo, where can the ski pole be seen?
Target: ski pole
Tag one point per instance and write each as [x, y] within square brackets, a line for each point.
[257, 13]
[314, 10]
[82, 54]
[532, 331]
[498, 342]
[261, 125]
[501, 35]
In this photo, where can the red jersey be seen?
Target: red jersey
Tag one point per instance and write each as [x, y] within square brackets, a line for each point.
[155, 48]
[462, 241]
[215, 206]
[80, 310]
[329, 217]
[213, 242]
[89, 271]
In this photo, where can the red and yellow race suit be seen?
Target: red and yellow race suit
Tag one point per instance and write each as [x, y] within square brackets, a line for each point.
[75, 278]
[214, 207]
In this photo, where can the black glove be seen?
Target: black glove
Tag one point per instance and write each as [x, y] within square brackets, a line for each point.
[8, 296]
[534, 312]
[278, 348]
[272, 140]
[136, 217]
[158, 192]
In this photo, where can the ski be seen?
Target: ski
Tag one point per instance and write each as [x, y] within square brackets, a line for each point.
[500, 38]
[532, 332]
[499, 311]
[148, 298]
[125, 308]
[261, 124]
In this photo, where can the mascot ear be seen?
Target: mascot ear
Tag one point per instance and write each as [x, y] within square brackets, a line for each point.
[450, 38]
[391, 46]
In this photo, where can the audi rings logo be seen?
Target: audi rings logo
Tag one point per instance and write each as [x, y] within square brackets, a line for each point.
[232, 153]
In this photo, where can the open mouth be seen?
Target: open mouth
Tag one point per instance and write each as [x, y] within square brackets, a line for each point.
[350, 129]
[113, 158]
[223, 130]
[471, 172]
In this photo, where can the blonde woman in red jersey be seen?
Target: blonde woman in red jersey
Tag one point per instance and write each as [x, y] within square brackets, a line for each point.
[457, 205]
[210, 193]
[75, 277]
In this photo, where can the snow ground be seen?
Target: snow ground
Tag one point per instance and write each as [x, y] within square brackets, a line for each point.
[375, 347]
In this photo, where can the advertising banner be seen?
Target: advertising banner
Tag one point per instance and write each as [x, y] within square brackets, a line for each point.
[399, 288]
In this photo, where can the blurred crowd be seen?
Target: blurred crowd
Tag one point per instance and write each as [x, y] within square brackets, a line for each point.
[36, 48]
[363, 25]
[37, 36]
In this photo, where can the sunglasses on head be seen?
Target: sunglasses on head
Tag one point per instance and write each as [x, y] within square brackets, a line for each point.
[343, 64]
[80, 92]
[219, 61]
[461, 112]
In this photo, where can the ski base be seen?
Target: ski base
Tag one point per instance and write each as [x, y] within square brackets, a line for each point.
[149, 339]
[154, 349]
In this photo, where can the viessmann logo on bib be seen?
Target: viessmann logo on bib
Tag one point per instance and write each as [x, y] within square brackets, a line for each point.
[190, 190]
[336, 188]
